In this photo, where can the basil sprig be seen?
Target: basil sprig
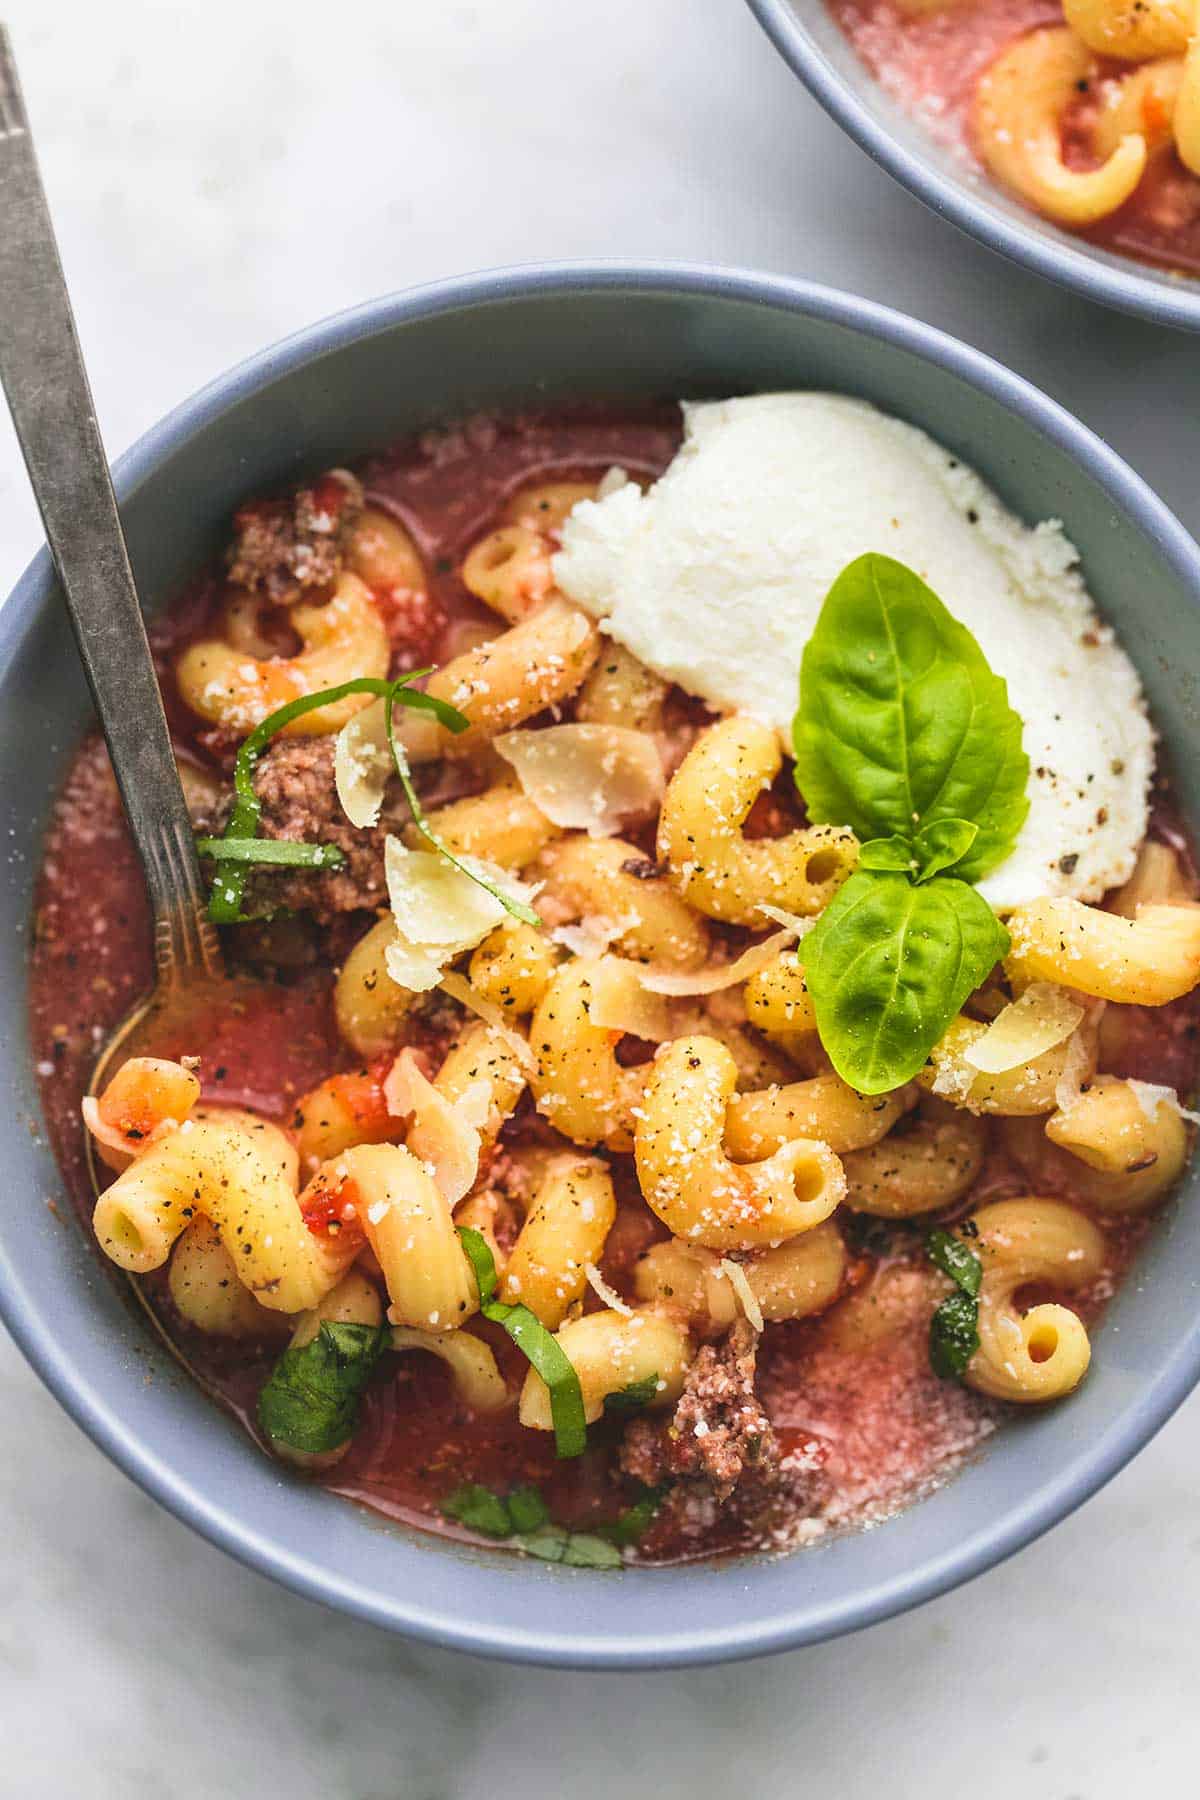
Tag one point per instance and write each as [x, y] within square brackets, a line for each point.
[540, 1346]
[229, 884]
[310, 1400]
[905, 734]
[954, 1327]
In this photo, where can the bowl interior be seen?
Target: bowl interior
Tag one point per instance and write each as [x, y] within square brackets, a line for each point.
[952, 184]
[345, 389]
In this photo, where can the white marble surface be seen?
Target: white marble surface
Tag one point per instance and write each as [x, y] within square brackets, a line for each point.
[220, 174]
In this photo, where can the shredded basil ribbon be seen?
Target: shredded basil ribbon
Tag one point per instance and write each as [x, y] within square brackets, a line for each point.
[954, 1327]
[229, 886]
[542, 1349]
[270, 850]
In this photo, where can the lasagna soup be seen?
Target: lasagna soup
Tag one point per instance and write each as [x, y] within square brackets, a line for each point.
[1088, 110]
[718, 1012]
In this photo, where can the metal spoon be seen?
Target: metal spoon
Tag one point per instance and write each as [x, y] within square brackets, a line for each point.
[41, 368]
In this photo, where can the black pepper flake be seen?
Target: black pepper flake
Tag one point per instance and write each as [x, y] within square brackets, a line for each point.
[1067, 863]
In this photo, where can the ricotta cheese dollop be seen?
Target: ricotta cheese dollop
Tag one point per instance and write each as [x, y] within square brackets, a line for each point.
[715, 578]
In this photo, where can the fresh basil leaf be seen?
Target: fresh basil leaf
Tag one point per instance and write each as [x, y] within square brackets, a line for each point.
[954, 1335]
[902, 722]
[949, 1254]
[479, 1509]
[577, 1549]
[634, 1397]
[888, 965]
[890, 855]
[527, 1510]
[541, 1348]
[310, 1400]
[943, 847]
[632, 1522]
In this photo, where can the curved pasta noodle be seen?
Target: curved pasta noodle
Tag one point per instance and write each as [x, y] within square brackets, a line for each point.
[343, 639]
[370, 1008]
[240, 1173]
[499, 825]
[610, 1351]
[1144, 101]
[354, 1301]
[1030, 1088]
[792, 1281]
[1108, 1148]
[477, 1378]
[687, 1178]
[1131, 30]
[1019, 103]
[147, 1097]
[513, 967]
[382, 553]
[898, 1297]
[1185, 119]
[1145, 961]
[929, 1163]
[483, 1060]
[1043, 1353]
[712, 864]
[203, 1283]
[545, 504]
[621, 691]
[500, 684]
[409, 1227]
[578, 1084]
[341, 1111]
[599, 878]
[778, 1004]
[509, 570]
[565, 1228]
[824, 1107]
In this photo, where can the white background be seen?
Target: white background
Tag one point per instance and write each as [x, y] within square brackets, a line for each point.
[221, 174]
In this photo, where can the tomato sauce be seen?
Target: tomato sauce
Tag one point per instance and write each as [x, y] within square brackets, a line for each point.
[865, 1429]
[930, 63]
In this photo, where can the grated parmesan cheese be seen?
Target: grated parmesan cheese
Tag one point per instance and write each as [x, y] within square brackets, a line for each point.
[739, 1281]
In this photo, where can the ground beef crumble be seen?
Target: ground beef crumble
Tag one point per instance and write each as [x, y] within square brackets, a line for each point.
[289, 550]
[719, 1434]
[294, 780]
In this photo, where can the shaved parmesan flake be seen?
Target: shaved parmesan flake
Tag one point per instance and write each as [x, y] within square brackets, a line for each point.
[586, 777]
[609, 1295]
[440, 1135]
[790, 921]
[439, 911]
[723, 975]
[1150, 1096]
[362, 765]
[1044, 1016]
[460, 989]
[620, 1002]
[739, 1281]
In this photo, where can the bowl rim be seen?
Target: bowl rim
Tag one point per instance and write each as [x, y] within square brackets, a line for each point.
[30, 1323]
[1085, 274]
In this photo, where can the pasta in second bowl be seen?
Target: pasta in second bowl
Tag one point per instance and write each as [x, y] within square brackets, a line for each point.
[1026, 125]
[485, 1143]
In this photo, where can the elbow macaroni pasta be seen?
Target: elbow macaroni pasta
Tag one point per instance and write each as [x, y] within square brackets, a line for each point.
[687, 1178]
[369, 1006]
[792, 1281]
[1043, 1353]
[565, 1229]
[1019, 104]
[610, 1351]
[931, 1163]
[597, 878]
[1144, 961]
[712, 864]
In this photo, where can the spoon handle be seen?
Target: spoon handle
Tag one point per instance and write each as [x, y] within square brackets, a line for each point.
[41, 367]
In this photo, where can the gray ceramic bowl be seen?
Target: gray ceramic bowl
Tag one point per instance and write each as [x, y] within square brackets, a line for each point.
[807, 37]
[327, 396]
